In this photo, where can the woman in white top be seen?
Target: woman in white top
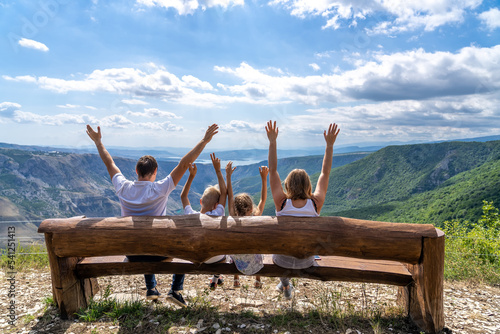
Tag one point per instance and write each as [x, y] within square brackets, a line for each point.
[297, 199]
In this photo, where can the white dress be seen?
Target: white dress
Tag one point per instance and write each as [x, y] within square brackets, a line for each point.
[290, 262]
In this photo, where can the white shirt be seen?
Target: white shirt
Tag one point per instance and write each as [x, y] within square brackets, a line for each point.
[143, 198]
[219, 211]
[290, 262]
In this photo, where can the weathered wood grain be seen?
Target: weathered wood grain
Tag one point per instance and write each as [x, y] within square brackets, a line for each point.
[408, 255]
[330, 268]
[199, 237]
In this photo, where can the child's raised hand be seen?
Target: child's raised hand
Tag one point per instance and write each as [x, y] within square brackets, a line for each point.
[192, 169]
[331, 134]
[211, 131]
[229, 168]
[263, 170]
[215, 161]
[272, 131]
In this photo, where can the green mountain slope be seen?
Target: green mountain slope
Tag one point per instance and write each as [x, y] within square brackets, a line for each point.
[35, 185]
[458, 198]
[415, 183]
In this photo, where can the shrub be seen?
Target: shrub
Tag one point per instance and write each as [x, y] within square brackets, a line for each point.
[473, 250]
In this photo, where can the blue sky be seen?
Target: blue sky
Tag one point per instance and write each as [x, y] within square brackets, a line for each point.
[158, 72]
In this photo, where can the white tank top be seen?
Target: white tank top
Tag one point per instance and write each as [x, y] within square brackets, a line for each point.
[290, 262]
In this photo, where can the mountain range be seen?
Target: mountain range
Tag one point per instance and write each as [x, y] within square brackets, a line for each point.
[420, 183]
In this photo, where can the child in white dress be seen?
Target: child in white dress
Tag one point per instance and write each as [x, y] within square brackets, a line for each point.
[242, 205]
[297, 199]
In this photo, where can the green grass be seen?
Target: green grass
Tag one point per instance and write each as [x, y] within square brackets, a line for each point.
[32, 256]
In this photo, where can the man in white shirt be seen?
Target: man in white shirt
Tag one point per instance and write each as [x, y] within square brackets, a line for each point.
[148, 197]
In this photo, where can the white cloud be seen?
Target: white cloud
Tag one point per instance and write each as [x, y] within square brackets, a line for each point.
[315, 66]
[491, 18]
[57, 120]
[75, 106]
[406, 75]
[241, 126]
[405, 15]
[184, 7]
[8, 109]
[21, 78]
[135, 102]
[193, 82]
[31, 44]
[168, 126]
[153, 112]
[433, 119]
[156, 82]
[68, 106]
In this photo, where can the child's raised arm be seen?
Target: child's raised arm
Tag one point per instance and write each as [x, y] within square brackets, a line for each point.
[220, 178]
[263, 170]
[185, 190]
[274, 178]
[230, 198]
[322, 185]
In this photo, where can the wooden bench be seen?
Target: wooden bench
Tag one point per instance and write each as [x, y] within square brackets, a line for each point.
[410, 256]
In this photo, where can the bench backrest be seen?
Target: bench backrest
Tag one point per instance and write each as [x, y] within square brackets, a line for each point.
[199, 237]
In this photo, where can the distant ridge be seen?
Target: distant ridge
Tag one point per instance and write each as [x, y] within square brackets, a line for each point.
[426, 183]
[169, 153]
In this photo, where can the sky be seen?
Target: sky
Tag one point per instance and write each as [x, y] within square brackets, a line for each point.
[157, 73]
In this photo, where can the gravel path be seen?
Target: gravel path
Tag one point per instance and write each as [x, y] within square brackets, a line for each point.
[468, 308]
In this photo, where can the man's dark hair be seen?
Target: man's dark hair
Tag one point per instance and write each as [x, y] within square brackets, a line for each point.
[146, 165]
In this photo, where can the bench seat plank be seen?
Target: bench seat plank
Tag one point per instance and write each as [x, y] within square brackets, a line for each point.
[330, 268]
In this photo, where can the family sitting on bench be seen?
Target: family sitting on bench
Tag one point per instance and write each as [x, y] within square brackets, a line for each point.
[148, 197]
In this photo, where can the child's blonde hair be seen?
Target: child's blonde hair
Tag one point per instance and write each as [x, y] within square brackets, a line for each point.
[210, 197]
[298, 185]
[243, 204]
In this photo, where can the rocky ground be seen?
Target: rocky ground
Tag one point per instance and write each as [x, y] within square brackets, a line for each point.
[354, 308]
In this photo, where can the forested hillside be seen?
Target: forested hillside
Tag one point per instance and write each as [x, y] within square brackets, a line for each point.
[35, 185]
[425, 183]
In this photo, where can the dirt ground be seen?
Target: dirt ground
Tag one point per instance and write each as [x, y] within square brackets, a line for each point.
[468, 308]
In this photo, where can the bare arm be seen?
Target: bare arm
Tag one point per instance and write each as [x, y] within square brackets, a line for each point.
[103, 153]
[322, 185]
[220, 178]
[274, 178]
[192, 155]
[187, 186]
[263, 170]
[230, 198]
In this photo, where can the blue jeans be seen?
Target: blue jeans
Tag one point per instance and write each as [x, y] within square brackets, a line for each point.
[177, 279]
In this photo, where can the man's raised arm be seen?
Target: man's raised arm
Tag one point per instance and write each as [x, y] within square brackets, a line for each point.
[103, 153]
[192, 155]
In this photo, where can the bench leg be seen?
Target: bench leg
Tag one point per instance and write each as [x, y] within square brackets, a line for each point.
[424, 298]
[69, 292]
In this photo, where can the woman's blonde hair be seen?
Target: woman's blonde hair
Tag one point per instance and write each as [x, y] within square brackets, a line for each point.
[298, 185]
[243, 204]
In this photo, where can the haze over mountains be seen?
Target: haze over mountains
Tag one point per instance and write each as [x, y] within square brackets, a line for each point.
[421, 183]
